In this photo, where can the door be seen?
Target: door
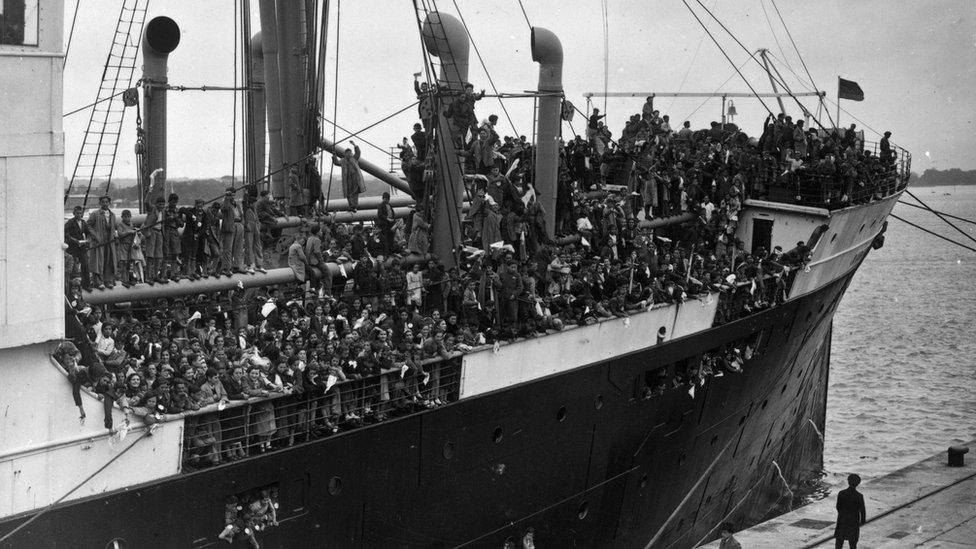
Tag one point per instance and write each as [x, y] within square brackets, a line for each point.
[762, 234]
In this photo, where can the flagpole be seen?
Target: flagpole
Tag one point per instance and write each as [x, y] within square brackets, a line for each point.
[838, 102]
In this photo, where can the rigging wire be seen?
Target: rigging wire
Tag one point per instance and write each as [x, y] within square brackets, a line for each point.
[933, 233]
[370, 143]
[719, 46]
[769, 24]
[963, 219]
[606, 53]
[694, 57]
[90, 105]
[937, 214]
[525, 15]
[798, 55]
[71, 34]
[483, 66]
[335, 105]
[718, 89]
[233, 139]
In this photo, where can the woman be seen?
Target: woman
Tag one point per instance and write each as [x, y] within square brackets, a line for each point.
[261, 420]
[419, 241]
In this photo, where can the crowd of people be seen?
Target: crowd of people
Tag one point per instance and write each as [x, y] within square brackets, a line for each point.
[373, 309]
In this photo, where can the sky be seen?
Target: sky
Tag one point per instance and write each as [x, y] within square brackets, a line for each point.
[915, 61]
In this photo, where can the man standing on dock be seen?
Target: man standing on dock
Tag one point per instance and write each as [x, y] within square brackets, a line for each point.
[850, 514]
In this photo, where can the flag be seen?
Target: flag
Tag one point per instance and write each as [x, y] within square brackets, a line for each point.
[848, 89]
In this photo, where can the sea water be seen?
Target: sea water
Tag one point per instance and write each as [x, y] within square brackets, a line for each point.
[903, 362]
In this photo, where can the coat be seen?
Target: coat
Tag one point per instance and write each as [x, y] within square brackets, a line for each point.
[230, 212]
[850, 514]
[352, 175]
[76, 230]
[102, 252]
[419, 235]
[297, 260]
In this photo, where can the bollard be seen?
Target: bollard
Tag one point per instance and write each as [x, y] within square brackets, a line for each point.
[956, 454]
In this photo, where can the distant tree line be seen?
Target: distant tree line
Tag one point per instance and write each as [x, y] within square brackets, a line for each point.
[953, 176]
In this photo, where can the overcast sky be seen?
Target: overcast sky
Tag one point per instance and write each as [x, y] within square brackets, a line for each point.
[915, 61]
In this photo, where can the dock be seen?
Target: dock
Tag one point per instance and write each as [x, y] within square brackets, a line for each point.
[928, 504]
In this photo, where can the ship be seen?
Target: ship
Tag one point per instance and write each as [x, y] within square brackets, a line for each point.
[590, 436]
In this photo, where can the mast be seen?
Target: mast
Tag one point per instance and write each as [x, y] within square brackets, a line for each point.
[257, 111]
[291, 89]
[772, 81]
[269, 46]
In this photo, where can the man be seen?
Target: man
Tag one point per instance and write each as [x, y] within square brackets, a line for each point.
[171, 238]
[481, 153]
[510, 287]
[297, 260]
[253, 252]
[385, 220]
[885, 148]
[152, 227]
[268, 214]
[419, 138]
[461, 113]
[298, 194]
[352, 175]
[728, 541]
[231, 235]
[211, 240]
[102, 229]
[76, 237]
[850, 514]
[194, 231]
[315, 257]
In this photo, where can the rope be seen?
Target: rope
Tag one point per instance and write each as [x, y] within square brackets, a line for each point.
[950, 223]
[800, 57]
[721, 49]
[40, 513]
[484, 67]
[933, 233]
[233, 139]
[769, 24]
[722, 85]
[71, 34]
[525, 15]
[335, 107]
[701, 40]
[943, 213]
[90, 105]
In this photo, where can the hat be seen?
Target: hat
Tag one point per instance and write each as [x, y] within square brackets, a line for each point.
[230, 190]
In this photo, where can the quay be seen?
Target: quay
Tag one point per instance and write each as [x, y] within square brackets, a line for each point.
[927, 504]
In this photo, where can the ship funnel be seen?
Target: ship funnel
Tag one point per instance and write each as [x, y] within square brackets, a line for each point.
[160, 38]
[445, 38]
[548, 52]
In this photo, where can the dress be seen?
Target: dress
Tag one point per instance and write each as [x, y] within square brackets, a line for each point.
[102, 225]
[419, 235]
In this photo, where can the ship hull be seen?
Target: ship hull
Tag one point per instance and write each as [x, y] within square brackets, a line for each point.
[581, 458]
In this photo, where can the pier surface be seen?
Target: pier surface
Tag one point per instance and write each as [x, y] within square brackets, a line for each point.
[928, 504]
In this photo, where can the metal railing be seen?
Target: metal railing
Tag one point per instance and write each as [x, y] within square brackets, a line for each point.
[864, 180]
[248, 428]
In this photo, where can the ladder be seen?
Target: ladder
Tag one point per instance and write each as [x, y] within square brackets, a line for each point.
[92, 175]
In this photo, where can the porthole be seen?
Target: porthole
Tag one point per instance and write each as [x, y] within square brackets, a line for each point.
[497, 435]
[561, 414]
[833, 238]
[708, 500]
[821, 308]
[448, 450]
[714, 439]
[681, 524]
[783, 390]
[681, 459]
[765, 402]
[584, 509]
[742, 420]
[861, 229]
[598, 402]
[335, 486]
[809, 315]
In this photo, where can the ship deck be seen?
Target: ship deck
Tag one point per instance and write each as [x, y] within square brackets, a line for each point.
[927, 504]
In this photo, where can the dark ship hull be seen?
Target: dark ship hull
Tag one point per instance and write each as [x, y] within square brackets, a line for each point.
[581, 458]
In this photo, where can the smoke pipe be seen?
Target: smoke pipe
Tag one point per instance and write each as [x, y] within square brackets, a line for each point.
[548, 52]
[272, 95]
[291, 87]
[257, 168]
[445, 38]
[160, 38]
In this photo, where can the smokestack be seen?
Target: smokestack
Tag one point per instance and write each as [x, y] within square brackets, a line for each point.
[160, 38]
[257, 141]
[269, 46]
[548, 52]
[446, 39]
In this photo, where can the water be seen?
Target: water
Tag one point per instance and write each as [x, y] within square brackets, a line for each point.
[903, 373]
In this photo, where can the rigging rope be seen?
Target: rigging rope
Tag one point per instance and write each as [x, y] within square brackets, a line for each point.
[943, 213]
[933, 233]
[335, 107]
[798, 55]
[722, 85]
[701, 40]
[90, 105]
[950, 223]
[525, 15]
[71, 34]
[719, 46]
[484, 67]
[769, 24]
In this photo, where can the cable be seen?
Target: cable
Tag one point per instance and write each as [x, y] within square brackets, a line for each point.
[933, 233]
[606, 53]
[233, 139]
[484, 67]
[943, 213]
[769, 24]
[41, 513]
[371, 126]
[722, 85]
[525, 15]
[799, 56]
[71, 34]
[721, 49]
[681, 86]
[950, 223]
[90, 105]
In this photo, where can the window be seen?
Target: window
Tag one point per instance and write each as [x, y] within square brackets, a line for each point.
[18, 22]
